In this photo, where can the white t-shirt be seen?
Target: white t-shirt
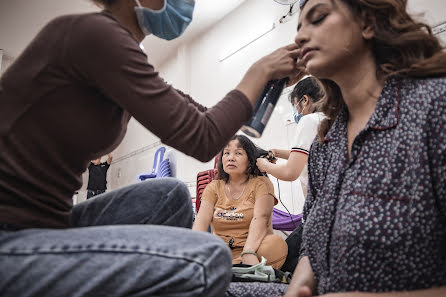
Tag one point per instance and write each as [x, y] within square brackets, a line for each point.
[306, 133]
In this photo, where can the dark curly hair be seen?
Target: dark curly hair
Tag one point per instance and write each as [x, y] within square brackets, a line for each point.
[252, 151]
[401, 47]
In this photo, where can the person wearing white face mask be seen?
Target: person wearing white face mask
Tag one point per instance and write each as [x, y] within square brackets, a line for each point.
[303, 98]
[84, 76]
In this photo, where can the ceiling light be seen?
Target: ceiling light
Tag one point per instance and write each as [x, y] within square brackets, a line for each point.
[248, 38]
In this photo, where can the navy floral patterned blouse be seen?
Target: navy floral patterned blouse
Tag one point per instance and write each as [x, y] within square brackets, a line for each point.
[377, 222]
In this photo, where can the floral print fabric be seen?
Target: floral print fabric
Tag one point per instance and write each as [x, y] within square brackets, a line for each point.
[376, 222]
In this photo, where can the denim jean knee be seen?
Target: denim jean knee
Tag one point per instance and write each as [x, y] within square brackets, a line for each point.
[114, 261]
[160, 201]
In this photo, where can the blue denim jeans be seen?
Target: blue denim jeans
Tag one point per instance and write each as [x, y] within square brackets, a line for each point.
[130, 242]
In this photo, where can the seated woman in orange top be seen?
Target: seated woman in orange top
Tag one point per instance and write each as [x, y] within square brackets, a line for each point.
[239, 207]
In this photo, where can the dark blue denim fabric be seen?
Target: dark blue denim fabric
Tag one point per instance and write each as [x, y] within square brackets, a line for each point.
[130, 242]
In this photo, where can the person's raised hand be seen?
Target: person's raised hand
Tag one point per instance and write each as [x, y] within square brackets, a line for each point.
[275, 152]
[301, 72]
[262, 164]
[271, 157]
[281, 62]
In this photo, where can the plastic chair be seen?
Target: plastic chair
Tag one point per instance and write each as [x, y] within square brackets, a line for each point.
[164, 169]
[159, 153]
[203, 179]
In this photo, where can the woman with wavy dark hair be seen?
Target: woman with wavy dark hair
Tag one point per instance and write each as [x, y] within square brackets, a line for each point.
[239, 206]
[375, 214]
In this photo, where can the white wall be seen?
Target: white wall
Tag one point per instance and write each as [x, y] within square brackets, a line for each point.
[432, 12]
[196, 70]
[6, 61]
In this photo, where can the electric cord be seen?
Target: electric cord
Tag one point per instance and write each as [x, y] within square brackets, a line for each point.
[285, 18]
[289, 213]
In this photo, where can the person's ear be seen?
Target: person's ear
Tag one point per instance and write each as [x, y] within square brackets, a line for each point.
[368, 33]
[368, 27]
[306, 100]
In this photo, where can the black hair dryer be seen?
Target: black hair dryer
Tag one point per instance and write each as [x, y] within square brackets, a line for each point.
[264, 107]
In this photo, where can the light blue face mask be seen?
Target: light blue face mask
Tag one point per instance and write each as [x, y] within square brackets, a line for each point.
[167, 23]
[297, 116]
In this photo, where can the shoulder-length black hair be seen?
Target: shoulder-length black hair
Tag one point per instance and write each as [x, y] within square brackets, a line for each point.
[308, 86]
[252, 151]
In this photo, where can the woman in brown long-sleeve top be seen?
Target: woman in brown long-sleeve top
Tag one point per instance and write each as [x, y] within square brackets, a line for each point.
[82, 78]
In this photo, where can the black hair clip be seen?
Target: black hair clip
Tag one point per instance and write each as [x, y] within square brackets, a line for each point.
[269, 156]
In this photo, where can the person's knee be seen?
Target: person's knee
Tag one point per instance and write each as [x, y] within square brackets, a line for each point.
[178, 190]
[218, 266]
[179, 195]
[219, 252]
[274, 249]
[176, 202]
[170, 189]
